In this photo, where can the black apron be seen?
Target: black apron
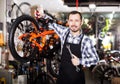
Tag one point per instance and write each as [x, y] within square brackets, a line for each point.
[67, 71]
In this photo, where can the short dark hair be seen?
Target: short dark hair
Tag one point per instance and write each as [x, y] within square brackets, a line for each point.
[75, 12]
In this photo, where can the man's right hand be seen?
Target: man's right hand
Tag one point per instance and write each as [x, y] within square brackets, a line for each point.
[39, 12]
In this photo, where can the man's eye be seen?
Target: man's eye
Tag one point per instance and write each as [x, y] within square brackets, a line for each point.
[70, 20]
[76, 20]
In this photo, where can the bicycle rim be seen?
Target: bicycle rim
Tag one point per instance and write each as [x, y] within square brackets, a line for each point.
[53, 63]
[22, 50]
[98, 71]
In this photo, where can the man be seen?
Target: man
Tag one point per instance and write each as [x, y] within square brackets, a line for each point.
[77, 50]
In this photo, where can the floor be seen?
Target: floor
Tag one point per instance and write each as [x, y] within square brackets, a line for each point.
[89, 78]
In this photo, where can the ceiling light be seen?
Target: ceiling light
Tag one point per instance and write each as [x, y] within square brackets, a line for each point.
[92, 7]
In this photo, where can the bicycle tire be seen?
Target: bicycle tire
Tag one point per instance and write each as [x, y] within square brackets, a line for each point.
[54, 62]
[44, 78]
[98, 71]
[23, 9]
[22, 25]
[110, 73]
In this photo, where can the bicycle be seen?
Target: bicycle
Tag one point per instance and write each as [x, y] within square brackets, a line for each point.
[26, 37]
[53, 63]
[13, 11]
[107, 68]
[29, 37]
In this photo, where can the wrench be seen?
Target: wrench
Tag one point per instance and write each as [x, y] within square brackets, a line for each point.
[68, 47]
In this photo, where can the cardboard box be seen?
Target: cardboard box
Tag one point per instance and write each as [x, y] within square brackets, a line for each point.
[115, 80]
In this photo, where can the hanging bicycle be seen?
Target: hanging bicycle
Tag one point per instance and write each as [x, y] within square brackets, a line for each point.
[26, 37]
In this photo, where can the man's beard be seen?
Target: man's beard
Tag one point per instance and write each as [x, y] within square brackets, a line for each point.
[74, 29]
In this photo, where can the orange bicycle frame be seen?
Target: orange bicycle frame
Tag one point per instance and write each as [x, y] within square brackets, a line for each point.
[43, 34]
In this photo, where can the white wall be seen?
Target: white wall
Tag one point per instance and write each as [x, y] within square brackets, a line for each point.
[3, 16]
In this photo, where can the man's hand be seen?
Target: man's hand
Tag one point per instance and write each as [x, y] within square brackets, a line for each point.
[75, 60]
[39, 12]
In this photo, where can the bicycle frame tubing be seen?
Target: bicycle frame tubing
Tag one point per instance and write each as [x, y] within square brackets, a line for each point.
[43, 34]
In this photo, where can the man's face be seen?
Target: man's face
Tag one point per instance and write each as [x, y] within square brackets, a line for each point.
[74, 22]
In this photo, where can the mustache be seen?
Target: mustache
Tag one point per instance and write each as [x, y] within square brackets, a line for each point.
[73, 26]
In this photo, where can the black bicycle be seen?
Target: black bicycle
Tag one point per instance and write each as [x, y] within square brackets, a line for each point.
[108, 67]
[31, 39]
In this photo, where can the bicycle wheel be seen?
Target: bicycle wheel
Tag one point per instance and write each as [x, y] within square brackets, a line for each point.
[23, 8]
[110, 73]
[44, 78]
[53, 63]
[98, 71]
[22, 50]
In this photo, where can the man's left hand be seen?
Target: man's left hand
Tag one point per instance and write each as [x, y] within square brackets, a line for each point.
[75, 60]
